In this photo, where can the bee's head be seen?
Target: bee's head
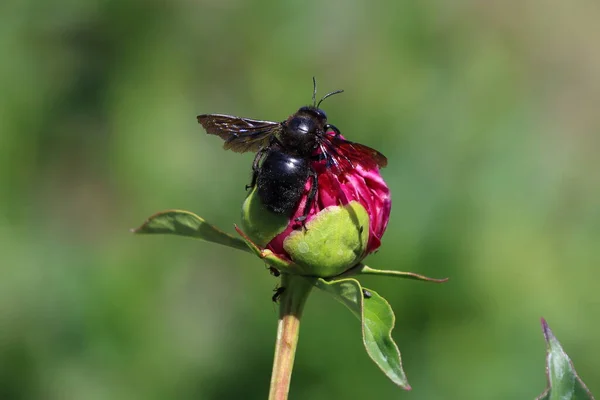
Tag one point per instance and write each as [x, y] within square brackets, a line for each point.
[302, 129]
[314, 112]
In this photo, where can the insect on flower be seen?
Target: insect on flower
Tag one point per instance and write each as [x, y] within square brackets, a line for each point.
[287, 152]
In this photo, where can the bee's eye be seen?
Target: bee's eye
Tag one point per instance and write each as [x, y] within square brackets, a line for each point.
[320, 113]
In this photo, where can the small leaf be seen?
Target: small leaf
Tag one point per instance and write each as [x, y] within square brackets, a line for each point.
[563, 381]
[377, 320]
[185, 223]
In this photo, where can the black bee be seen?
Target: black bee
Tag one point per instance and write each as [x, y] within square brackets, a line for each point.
[286, 150]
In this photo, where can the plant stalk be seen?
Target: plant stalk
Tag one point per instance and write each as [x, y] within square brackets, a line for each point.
[292, 300]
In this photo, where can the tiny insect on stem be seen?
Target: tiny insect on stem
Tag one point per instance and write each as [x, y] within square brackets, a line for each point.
[278, 292]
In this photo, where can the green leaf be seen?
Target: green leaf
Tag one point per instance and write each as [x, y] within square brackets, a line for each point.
[185, 223]
[377, 319]
[563, 381]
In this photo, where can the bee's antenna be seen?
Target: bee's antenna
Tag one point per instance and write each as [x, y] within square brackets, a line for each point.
[327, 95]
[314, 92]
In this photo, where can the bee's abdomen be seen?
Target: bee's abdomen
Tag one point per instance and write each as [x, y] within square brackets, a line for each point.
[281, 180]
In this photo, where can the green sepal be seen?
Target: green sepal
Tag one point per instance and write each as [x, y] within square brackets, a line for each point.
[185, 223]
[267, 255]
[260, 224]
[377, 320]
[563, 381]
[333, 241]
[362, 269]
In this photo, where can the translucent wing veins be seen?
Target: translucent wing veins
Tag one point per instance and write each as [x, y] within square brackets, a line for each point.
[240, 134]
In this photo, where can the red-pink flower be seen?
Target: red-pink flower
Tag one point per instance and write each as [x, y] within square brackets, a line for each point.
[346, 220]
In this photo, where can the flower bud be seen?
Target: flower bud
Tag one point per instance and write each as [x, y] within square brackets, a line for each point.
[345, 222]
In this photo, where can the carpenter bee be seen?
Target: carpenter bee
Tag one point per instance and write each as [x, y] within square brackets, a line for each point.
[286, 151]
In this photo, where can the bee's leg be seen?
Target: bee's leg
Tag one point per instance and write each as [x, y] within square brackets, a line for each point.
[332, 149]
[310, 198]
[255, 167]
[320, 157]
[333, 128]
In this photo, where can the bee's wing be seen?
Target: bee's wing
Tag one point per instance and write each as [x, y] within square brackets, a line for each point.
[240, 134]
[345, 154]
[362, 153]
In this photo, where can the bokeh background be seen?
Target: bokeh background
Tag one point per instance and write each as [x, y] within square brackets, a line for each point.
[487, 112]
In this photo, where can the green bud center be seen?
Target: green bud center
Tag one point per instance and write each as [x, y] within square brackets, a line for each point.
[334, 240]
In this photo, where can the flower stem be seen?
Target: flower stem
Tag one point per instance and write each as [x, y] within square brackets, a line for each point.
[297, 289]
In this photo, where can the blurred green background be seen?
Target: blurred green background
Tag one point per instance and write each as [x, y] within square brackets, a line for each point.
[487, 112]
